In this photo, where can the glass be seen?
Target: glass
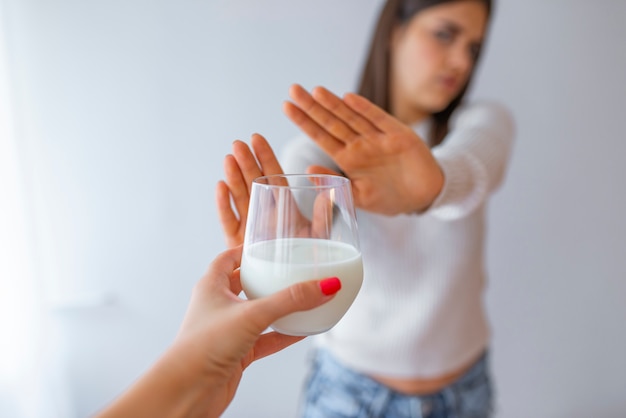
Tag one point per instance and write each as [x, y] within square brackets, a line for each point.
[302, 227]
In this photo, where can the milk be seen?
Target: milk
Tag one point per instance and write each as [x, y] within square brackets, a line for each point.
[269, 266]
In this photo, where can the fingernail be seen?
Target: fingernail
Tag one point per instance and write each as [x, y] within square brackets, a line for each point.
[330, 286]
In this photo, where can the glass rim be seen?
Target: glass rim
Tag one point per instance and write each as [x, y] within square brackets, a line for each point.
[341, 181]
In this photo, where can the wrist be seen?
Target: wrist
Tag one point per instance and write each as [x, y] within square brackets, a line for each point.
[187, 388]
[426, 195]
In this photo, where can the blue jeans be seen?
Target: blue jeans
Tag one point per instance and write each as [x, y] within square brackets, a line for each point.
[334, 391]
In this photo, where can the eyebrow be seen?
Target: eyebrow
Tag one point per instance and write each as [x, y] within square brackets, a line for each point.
[456, 28]
[451, 25]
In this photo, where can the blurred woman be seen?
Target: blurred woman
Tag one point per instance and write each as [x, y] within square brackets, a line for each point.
[423, 164]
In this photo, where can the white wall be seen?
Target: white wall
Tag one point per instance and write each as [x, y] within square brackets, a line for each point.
[557, 251]
[128, 107]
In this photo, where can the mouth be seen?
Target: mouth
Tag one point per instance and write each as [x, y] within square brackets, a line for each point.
[449, 83]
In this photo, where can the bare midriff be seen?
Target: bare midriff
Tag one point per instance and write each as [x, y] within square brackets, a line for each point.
[411, 386]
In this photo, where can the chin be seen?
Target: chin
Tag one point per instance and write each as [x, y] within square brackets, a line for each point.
[434, 103]
[439, 106]
[442, 103]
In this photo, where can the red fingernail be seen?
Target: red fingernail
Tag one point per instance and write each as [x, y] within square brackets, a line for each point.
[330, 286]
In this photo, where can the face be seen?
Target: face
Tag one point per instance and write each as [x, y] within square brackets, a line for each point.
[432, 57]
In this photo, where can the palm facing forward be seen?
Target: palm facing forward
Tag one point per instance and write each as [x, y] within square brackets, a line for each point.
[233, 194]
[392, 170]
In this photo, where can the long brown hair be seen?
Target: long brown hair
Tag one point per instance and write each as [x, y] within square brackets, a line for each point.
[374, 83]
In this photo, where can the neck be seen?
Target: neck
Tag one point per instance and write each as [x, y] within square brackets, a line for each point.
[408, 115]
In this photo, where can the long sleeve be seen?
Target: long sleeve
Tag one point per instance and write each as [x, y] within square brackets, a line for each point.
[473, 158]
[420, 310]
[302, 152]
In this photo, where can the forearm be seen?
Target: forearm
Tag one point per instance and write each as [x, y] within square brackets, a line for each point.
[473, 159]
[168, 390]
[429, 192]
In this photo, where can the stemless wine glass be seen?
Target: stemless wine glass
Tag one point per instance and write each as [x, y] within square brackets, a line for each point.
[302, 227]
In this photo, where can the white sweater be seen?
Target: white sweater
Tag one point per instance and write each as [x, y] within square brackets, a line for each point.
[420, 310]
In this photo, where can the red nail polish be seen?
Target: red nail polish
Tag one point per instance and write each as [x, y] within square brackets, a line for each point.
[330, 286]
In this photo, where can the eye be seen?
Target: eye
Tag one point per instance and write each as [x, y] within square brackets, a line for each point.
[474, 50]
[444, 35]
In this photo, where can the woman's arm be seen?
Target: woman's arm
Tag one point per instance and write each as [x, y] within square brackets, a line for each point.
[220, 336]
[392, 170]
[473, 158]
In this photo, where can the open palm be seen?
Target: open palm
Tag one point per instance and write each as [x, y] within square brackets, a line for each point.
[392, 170]
[233, 194]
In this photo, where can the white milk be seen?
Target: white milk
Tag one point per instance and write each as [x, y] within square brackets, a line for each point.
[269, 266]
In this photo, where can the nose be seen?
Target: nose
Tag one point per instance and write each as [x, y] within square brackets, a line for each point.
[461, 59]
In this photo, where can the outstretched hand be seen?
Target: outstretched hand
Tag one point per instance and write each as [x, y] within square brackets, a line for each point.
[220, 336]
[233, 194]
[240, 169]
[392, 170]
[227, 330]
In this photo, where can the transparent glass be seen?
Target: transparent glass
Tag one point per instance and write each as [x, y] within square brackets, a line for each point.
[302, 227]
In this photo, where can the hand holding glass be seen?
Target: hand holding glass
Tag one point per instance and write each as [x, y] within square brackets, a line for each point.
[302, 227]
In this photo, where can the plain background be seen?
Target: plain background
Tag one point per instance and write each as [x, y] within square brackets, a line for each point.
[127, 107]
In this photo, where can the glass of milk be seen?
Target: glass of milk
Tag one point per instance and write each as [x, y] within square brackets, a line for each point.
[302, 227]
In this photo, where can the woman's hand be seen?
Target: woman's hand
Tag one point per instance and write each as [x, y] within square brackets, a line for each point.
[222, 333]
[240, 169]
[392, 170]
[220, 336]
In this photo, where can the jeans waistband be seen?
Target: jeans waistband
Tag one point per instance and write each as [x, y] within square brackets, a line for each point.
[334, 368]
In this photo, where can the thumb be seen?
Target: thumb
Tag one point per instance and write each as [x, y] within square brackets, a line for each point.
[301, 296]
[318, 169]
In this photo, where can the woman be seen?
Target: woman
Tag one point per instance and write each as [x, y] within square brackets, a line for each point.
[423, 165]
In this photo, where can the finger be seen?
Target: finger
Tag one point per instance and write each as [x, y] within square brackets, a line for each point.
[298, 297]
[271, 343]
[239, 189]
[337, 107]
[374, 114]
[227, 217]
[269, 163]
[247, 163]
[235, 282]
[222, 268]
[322, 219]
[323, 116]
[228, 261]
[265, 155]
[318, 169]
[326, 141]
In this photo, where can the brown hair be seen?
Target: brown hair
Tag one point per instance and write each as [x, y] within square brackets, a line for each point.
[374, 83]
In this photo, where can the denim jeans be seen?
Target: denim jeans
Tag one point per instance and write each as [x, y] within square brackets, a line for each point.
[334, 391]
